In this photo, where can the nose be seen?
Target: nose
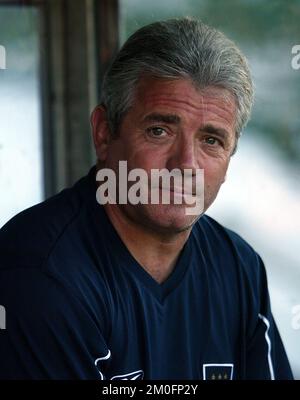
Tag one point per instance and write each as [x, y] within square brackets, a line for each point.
[183, 155]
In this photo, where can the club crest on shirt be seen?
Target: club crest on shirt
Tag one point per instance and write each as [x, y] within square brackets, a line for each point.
[217, 372]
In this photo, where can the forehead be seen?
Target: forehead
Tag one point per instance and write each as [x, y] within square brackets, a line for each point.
[181, 96]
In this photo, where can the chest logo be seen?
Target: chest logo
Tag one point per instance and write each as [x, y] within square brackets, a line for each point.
[217, 372]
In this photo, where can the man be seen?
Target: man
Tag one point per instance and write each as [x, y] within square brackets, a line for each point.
[147, 290]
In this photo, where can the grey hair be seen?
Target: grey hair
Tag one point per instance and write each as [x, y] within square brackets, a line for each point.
[173, 49]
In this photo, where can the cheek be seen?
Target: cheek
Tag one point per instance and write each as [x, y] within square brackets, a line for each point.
[145, 159]
[118, 150]
[214, 174]
[113, 157]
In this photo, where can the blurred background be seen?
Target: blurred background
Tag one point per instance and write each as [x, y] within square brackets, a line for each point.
[55, 55]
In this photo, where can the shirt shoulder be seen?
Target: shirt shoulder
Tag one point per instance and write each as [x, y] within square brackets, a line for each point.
[232, 250]
[54, 241]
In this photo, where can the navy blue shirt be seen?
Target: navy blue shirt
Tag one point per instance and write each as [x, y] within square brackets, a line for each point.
[79, 306]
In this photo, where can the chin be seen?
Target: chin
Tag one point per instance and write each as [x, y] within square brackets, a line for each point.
[170, 219]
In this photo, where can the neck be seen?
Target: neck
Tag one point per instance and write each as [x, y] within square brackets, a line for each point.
[156, 252]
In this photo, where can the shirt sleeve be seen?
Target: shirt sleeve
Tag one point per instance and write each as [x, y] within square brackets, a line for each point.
[266, 356]
[48, 333]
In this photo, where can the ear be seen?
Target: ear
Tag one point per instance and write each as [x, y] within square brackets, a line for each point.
[101, 132]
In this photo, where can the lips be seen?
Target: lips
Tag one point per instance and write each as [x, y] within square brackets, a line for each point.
[179, 191]
[182, 192]
[188, 188]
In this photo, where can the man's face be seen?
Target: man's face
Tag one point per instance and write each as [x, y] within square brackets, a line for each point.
[171, 125]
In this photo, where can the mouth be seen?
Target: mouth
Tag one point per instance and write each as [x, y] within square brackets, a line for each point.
[180, 191]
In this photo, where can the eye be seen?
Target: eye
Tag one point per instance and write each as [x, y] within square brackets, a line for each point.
[156, 132]
[212, 141]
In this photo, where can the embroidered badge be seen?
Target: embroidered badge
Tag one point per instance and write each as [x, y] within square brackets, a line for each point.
[217, 372]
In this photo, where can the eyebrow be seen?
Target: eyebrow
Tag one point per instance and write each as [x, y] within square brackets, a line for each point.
[166, 118]
[215, 131]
